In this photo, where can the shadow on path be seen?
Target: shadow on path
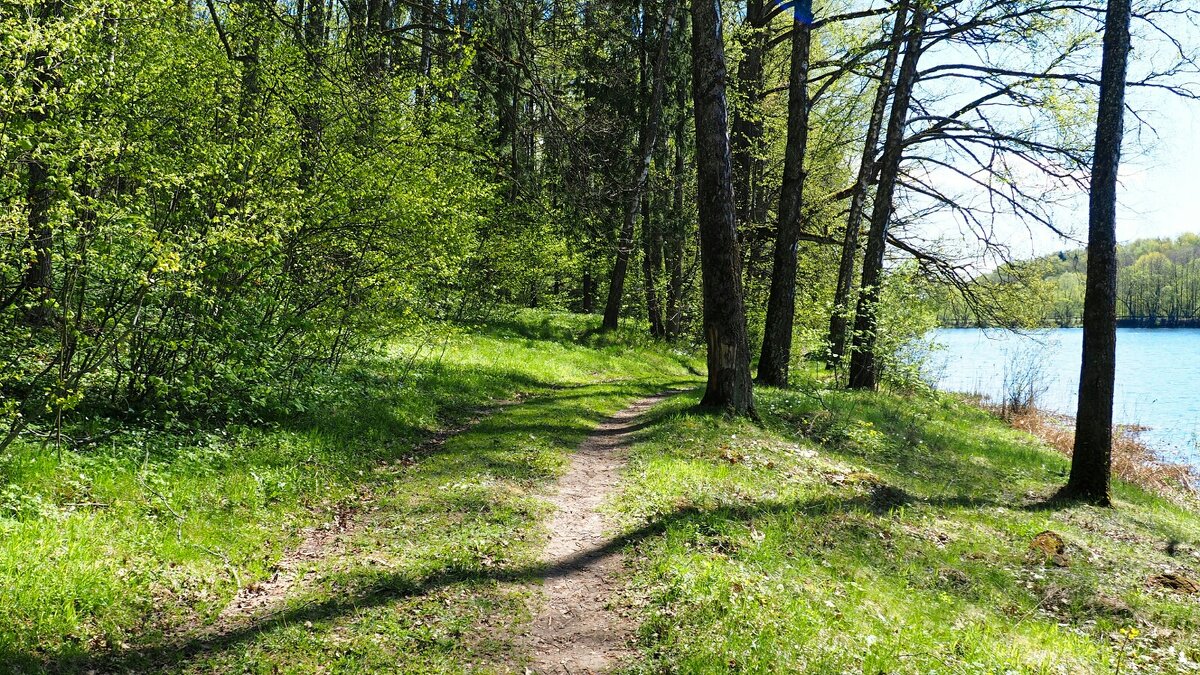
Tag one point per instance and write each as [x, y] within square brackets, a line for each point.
[380, 591]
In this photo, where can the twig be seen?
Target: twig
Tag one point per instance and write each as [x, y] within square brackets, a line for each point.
[237, 578]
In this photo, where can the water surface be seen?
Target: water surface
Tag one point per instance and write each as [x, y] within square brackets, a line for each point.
[1158, 376]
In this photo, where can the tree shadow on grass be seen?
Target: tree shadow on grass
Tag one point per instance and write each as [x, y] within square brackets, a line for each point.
[379, 429]
[368, 589]
[463, 457]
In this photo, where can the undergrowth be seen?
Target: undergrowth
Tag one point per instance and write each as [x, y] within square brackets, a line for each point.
[123, 554]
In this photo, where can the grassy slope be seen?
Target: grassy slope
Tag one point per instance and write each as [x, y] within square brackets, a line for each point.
[114, 551]
[877, 533]
[847, 533]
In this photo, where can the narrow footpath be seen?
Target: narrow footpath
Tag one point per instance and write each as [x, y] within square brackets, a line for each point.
[577, 629]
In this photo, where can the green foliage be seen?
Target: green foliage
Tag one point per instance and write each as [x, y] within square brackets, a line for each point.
[1158, 284]
[221, 228]
[148, 534]
[906, 316]
[1017, 295]
[907, 311]
[252, 252]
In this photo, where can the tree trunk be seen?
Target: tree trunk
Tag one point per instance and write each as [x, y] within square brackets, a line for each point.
[425, 59]
[675, 241]
[652, 246]
[867, 170]
[747, 119]
[587, 301]
[310, 113]
[39, 274]
[775, 359]
[1091, 464]
[377, 20]
[729, 385]
[864, 364]
[616, 289]
[391, 47]
[38, 280]
[356, 17]
[251, 85]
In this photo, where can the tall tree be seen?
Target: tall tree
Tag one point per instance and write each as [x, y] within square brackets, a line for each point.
[677, 234]
[729, 384]
[674, 244]
[776, 356]
[39, 191]
[747, 131]
[648, 137]
[1091, 463]
[864, 366]
[867, 170]
[425, 54]
[312, 15]
[652, 262]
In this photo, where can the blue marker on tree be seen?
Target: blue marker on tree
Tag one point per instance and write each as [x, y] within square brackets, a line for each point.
[801, 8]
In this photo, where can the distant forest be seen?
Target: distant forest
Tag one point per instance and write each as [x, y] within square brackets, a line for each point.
[1158, 286]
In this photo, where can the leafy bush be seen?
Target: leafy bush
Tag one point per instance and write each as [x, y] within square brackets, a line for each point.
[216, 229]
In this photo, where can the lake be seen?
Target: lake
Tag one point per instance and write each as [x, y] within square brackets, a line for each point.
[1158, 376]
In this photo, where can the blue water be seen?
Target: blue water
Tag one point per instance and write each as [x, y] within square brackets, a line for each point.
[1157, 386]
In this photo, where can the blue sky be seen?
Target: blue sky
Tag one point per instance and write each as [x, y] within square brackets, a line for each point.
[1160, 190]
[1159, 194]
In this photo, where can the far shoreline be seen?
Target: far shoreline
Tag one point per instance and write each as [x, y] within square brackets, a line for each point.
[1191, 324]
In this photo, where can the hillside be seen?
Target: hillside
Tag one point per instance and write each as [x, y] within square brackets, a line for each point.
[1158, 285]
[397, 525]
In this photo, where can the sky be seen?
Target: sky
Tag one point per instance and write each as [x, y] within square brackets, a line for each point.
[1160, 177]
[1159, 192]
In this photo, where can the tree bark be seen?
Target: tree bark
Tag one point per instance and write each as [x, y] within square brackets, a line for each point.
[864, 364]
[775, 358]
[310, 113]
[652, 260]
[839, 320]
[587, 300]
[675, 241]
[747, 119]
[616, 288]
[38, 280]
[1091, 463]
[356, 17]
[425, 59]
[251, 85]
[377, 20]
[729, 385]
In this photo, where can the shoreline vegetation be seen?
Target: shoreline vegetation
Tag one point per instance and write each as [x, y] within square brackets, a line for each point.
[1158, 286]
[1156, 323]
[1133, 460]
[894, 532]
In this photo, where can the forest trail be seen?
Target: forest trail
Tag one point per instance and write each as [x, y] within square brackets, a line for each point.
[331, 539]
[577, 630]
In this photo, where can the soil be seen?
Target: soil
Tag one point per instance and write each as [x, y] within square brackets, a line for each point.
[578, 629]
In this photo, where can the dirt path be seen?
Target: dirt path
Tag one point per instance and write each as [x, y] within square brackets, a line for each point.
[330, 539]
[576, 630]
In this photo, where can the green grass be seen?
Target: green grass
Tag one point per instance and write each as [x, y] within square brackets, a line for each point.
[844, 533]
[885, 534]
[123, 556]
